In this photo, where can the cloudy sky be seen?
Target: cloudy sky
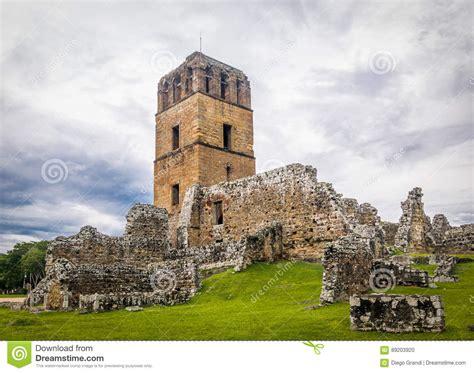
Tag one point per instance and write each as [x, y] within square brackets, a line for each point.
[376, 95]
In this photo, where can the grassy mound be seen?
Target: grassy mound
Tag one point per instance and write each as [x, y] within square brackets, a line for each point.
[264, 302]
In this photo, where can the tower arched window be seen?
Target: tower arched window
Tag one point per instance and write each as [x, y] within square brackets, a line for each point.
[207, 79]
[189, 80]
[176, 89]
[164, 95]
[238, 88]
[224, 79]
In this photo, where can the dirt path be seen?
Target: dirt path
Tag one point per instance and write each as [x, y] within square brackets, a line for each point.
[12, 300]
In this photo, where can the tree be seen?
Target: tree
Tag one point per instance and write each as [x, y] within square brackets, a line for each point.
[32, 264]
[24, 263]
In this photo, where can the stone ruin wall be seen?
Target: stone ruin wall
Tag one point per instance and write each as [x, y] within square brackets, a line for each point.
[445, 270]
[458, 240]
[416, 232]
[397, 313]
[281, 214]
[400, 274]
[439, 226]
[311, 213]
[95, 272]
[264, 246]
[347, 267]
[390, 231]
[352, 266]
[364, 221]
[93, 265]
[414, 227]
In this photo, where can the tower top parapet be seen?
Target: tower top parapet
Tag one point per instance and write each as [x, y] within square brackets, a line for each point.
[201, 73]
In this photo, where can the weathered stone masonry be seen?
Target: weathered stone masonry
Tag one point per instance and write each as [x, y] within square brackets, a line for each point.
[416, 233]
[397, 313]
[122, 270]
[195, 102]
[311, 213]
[415, 227]
[347, 267]
[95, 272]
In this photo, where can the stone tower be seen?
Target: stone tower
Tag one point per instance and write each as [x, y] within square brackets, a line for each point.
[204, 129]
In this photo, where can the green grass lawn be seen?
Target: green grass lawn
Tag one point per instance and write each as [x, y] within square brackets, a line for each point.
[12, 296]
[430, 268]
[223, 310]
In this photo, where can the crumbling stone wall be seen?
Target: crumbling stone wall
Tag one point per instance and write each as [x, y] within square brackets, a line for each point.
[414, 231]
[351, 266]
[347, 267]
[265, 246]
[440, 226]
[311, 213]
[357, 214]
[91, 263]
[402, 274]
[445, 270]
[390, 231]
[167, 283]
[458, 240]
[364, 221]
[96, 272]
[397, 313]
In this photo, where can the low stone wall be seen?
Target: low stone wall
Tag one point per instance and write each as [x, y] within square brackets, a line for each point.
[170, 282]
[402, 259]
[402, 274]
[397, 313]
[347, 266]
[445, 270]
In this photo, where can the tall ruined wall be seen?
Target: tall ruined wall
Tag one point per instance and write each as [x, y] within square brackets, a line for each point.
[311, 213]
[414, 231]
